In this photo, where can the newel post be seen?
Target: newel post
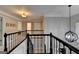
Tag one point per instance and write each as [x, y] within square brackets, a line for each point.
[51, 50]
[5, 42]
[27, 43]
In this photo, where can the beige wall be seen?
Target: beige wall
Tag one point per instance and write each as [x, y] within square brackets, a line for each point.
[7, 19]
[11, 25]
[36, 23]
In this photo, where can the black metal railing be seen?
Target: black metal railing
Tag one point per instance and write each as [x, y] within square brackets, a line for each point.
[45, 48]
[38, 43]
[59, 46]
[13, 40]
[53, 45]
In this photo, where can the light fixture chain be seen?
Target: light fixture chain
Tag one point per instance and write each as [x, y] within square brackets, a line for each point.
[70, 17]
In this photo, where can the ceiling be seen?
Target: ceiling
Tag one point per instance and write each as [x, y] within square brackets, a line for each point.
[41, 10]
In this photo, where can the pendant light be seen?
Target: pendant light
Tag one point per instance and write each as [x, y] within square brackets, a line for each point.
[70, 36]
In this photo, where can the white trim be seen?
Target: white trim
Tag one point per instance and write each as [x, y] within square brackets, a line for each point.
[8, 15]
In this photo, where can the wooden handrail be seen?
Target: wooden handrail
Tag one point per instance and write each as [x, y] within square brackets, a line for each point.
[67, 44]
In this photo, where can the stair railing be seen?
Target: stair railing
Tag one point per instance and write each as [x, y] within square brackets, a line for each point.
[57, 46]
[13, 40]
[62, 47]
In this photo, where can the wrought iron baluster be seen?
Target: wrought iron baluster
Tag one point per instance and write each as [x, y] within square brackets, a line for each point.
[70, 51]
[59, 47]
[56, 46]
[13, 40]
[9, 43]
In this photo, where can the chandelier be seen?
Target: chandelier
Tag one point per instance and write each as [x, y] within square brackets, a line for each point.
[70, 36]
